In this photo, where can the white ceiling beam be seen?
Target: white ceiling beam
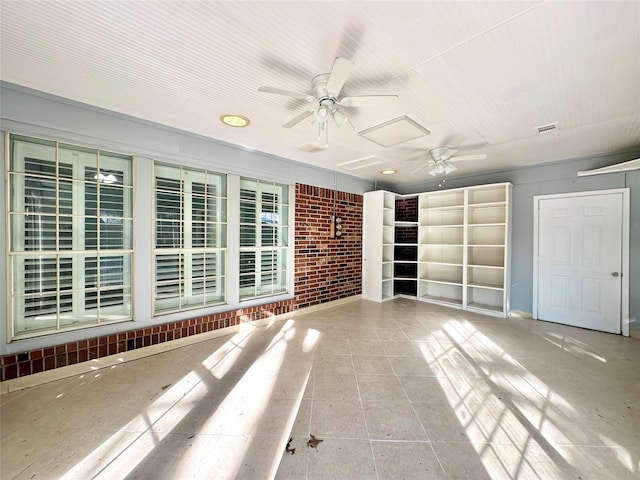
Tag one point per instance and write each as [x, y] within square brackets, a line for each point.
[618, 167]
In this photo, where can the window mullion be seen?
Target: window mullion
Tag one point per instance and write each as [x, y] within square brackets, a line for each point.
[78, 238]
[257, 249]
[185, 274]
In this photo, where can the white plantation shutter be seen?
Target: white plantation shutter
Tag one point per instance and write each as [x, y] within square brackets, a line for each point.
[190, 237]
[71, 226]
[264, 218]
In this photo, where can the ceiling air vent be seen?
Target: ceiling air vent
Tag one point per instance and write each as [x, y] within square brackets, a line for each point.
[551, 127]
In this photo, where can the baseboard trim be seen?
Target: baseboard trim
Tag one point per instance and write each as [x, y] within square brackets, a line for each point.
[634, 334]
[35, 379]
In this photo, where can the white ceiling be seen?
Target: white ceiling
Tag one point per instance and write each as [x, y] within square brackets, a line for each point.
[473, 73]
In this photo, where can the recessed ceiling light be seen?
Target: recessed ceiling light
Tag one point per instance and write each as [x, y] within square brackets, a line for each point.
[234, 120]
[388, 171]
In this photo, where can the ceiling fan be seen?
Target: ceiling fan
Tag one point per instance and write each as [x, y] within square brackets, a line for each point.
[325, 98]
[441, 161]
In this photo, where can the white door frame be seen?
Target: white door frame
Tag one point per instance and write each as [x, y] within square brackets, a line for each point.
[624, 301]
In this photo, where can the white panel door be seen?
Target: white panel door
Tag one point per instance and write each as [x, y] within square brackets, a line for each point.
[580, 261]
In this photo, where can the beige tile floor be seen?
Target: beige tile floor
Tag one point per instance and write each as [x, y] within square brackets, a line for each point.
[400, 390]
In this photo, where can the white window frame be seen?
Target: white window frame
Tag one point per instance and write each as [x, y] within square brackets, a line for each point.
[283, 252]
[186, 251]
[16, 235]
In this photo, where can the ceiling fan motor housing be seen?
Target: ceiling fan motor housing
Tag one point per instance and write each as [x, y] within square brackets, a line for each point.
[319, 87]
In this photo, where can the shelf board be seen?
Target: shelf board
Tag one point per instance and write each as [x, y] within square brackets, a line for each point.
[487, 204]
[405, 277]
[486, 245]
[403, 223]
[437, 209]
[484, 306]
[446, 264]
[442, 244]
[442, 300]
[488, 286]
[494, 267]
[448, 225]
[410, 296]
[441, 281]
[497, 224]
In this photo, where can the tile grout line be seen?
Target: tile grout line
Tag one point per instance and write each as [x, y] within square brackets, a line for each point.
[364, 417]
[314, 370]
[442, 469]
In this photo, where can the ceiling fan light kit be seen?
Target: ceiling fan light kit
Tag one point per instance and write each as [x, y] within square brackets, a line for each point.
[340, 118]
[442, 168]
[321, 114]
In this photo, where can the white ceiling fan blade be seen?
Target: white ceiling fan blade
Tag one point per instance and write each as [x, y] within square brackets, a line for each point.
[433, 172]
[460, 158]
[279, 91]
[370, 101]
[419, 158]
[421, 167]
[339, 73]
[296, 120]
[450, 152]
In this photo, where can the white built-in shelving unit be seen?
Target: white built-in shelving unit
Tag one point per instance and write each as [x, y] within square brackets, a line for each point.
[378, 230]
[488, 248]
[441, 247]
[463, 248]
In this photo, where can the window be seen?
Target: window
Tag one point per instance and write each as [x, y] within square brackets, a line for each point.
[264, 233]
[190, 237]
[70, 229]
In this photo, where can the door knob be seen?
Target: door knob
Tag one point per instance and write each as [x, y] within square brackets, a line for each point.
[615, 274]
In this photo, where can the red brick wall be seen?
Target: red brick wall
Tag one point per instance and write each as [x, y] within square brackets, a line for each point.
[406, 234]
[407, 209]
[35, 361]
[326, 268]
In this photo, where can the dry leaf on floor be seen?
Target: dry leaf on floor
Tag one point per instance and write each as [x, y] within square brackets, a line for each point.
[288, 448]
[313, 442]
